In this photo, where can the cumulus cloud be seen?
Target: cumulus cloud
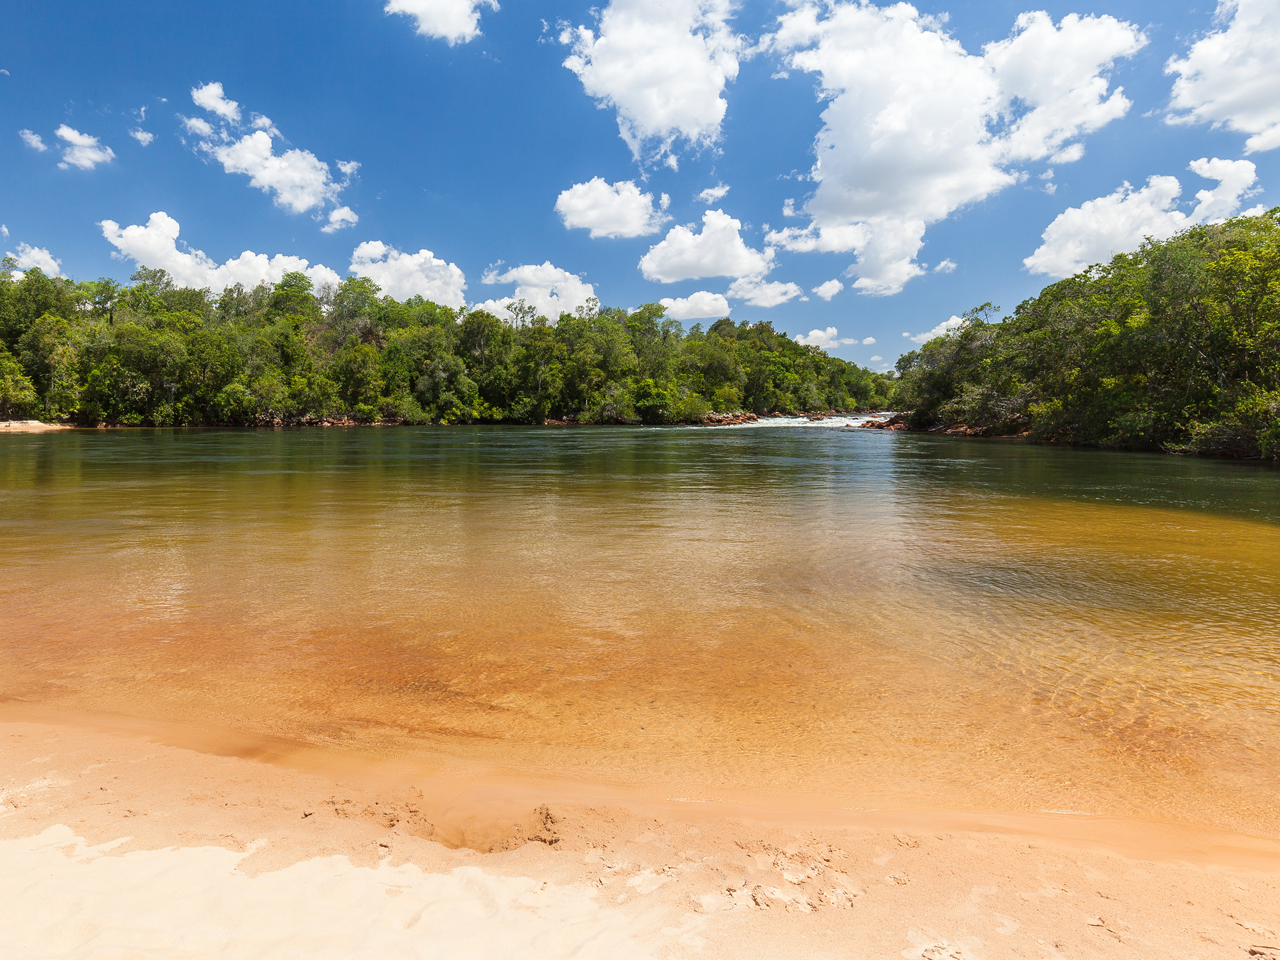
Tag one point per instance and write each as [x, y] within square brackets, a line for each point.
[82, 150]
[611, 210]
[156, 245]
[867, 341]
[946, 266]
[917, 127]
[1230, 76]
[197, 126]
[713, 194]
[874, 359]
[829, 289]
[340, 218]
[759, 293]
[1097, 229]
[697, 306]
[662, 65]
[402, 275]
[33, 140]
[211, 97]
[454, 21]
[827, 339]
[296, 179]
[718, 251]
[142, 136]
[941, 330]
[299, 179]
[4, 231]
[29, 257]
[545, 287]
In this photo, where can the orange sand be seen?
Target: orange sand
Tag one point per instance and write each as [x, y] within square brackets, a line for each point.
[253, 859]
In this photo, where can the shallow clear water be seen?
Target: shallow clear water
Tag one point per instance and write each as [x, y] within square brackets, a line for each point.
[807, 616]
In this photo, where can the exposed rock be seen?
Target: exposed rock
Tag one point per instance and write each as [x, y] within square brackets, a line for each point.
[897, 422]
[728, 419]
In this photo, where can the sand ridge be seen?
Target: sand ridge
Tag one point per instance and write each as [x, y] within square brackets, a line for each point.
[132, 846]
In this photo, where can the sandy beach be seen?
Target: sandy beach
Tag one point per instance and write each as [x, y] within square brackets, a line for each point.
[30, 426]
[115, 844]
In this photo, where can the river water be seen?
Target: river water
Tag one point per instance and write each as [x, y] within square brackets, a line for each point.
[797, 616]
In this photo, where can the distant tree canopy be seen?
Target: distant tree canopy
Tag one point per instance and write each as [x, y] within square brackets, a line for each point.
[1174, 347]
[155, 354]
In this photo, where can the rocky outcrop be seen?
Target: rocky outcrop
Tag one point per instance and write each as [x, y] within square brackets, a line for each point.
[728, 419]
[897, 422]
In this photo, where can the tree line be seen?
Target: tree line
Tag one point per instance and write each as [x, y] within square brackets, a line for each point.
[152, 353]
[1173, 347]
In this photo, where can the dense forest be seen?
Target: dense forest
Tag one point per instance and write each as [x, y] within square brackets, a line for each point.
[1174, 347]
[154, 354]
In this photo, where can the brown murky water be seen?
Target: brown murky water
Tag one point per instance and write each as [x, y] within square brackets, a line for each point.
[813, 617]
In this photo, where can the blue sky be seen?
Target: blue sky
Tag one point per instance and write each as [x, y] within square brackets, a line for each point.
[915, 160]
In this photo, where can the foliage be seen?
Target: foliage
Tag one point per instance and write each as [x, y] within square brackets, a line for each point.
[1173, 347]
[152, 353]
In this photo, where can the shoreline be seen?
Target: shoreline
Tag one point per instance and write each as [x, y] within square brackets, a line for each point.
[739, 418]
[32, 426]
[453, 791]
[677, 879]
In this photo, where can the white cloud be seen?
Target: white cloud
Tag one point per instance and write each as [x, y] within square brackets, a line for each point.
[1230, 76]
[259, 122]
[713, 194]
[298, 180]
[874, 359]
[545, 287]
[917, 128]
[33, 140]
[662, 65]
[454, 21]
[697, 306]
[340, 218]
[402, 275]
[867, 341]
[827, 339]
[4, 231]
[82, 150]
[758, 293]
[29, 257]
[142, 136]
[1097, 229]
[156, 245]
[942, 329]
[718, 251]
[1060, 73]
[946, 266]
[829, 289]
[609, 210]
[210, 97]
[1236, 180]
[197, 126]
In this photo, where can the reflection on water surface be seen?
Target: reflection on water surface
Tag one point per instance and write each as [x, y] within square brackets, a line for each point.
[817, 617]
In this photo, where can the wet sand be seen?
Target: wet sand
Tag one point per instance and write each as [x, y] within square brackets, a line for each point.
[112, 841]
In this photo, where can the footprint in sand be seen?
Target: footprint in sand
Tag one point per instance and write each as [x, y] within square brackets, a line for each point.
[1009, 927]
[928, 946]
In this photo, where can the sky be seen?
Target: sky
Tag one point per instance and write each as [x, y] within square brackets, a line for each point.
[858, 175]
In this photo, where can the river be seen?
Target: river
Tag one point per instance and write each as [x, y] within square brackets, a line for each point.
[786, 616]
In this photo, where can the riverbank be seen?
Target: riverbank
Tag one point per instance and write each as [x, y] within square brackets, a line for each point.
[30, 426]
[110, 839]
[732, 419]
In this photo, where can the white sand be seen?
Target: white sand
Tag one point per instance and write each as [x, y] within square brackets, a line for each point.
[60, 897]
